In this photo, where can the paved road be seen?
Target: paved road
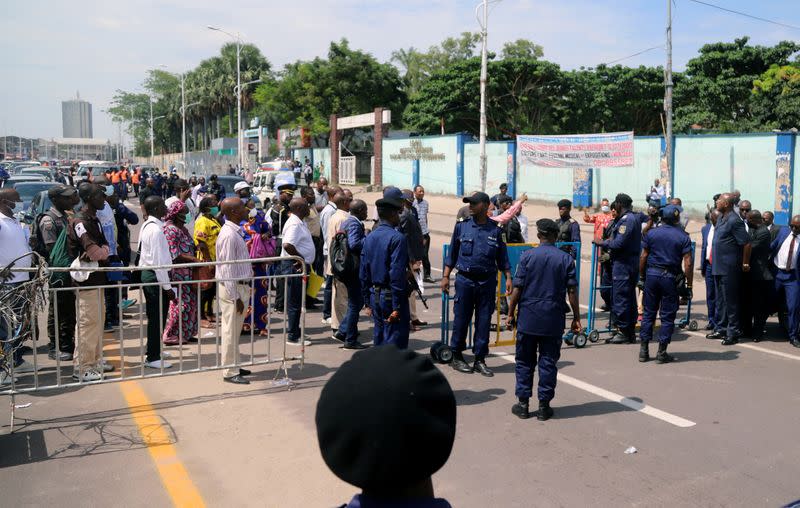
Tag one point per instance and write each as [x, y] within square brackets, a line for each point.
[716, 428]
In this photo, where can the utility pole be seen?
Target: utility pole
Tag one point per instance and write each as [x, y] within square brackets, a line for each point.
[484, 58]
[183, 119]
[669, 148]
[152, 144]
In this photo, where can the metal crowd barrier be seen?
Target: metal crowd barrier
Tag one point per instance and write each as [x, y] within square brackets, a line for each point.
[127, 344]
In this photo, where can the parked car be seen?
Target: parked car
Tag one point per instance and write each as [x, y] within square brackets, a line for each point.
[227, 182]
[264, 183]
[37, 170]
[17, 179]
[27, 192]
[88, 170]
[40, 204]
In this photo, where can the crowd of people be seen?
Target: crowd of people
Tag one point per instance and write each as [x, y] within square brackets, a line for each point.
[379, 264]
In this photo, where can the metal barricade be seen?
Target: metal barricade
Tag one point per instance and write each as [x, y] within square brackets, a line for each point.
[125, 348]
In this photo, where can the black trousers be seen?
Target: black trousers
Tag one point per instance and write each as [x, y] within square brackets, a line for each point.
[64, 303]
[757, 310]
[207, 301]
[156, 306]
[426, 262]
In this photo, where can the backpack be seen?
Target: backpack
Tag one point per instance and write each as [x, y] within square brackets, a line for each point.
[344, 264]
[60, 258]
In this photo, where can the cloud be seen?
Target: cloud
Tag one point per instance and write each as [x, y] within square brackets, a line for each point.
[98, 46]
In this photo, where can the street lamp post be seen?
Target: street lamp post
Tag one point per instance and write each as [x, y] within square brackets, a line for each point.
[483, 21]
[238, 89]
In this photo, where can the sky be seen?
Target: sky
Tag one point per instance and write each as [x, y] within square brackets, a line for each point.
[53, 49]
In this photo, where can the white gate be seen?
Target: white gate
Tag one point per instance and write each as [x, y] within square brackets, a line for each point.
[347, 170]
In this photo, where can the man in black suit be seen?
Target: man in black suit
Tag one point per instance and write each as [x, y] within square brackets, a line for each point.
[769, 222]
[759, 280]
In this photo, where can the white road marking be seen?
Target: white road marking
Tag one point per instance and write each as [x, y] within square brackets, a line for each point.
[615, 397]
[754, 348]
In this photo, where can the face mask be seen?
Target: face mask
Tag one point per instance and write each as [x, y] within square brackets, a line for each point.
[13, 204]
[187, 217]
[214, 210]
[605, 208]
[253, 212]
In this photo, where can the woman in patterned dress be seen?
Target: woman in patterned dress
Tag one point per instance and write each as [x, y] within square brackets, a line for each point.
[252, 226]
[182, 317]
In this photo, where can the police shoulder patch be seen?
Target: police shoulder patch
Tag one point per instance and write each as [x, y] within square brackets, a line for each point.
[622, 229]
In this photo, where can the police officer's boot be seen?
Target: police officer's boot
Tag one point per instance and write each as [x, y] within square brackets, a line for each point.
[644, 351]
[521, 409]
[662, 356]
[481, 368]
[459, 364]
[621, 336]
[545, 412]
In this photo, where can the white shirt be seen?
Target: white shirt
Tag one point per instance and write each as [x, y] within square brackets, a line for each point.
[523, 226]
[196, 197]
[324, 217]
[296, 233]
[154, 249]
[783, 253]
[320, 198]
[710, 242]
[231, 247]
[14, 239]
[109, 226]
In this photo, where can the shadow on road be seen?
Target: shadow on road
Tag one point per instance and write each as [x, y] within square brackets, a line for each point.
[595, 408]
[472, 398]
[705, 356]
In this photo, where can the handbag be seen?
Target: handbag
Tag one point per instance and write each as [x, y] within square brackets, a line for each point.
[260, 248]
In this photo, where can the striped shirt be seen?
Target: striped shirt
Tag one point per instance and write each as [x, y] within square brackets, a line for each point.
[231, 247]
[422, 213]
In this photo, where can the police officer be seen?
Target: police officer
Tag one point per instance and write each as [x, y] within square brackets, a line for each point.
[384, 276]
[663, 248]
[568, 228]
[624, 246]
[478, 252]
[545, 276]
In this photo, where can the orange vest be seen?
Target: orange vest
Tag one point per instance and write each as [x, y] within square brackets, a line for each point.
[135, 177]
[124, 175]
[115, 177]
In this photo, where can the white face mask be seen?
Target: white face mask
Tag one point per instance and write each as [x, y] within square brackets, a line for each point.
[605, 208]
[253, 212]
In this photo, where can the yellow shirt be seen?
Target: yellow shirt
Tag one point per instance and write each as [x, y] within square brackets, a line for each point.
[206, 231]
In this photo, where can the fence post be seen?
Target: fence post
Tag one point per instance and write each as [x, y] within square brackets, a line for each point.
[414, 173]
[582, 187]
[784, 176]
[511, 168]
[460, 164]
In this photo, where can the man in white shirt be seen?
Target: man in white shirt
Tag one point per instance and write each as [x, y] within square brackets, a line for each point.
[197, 195]
[235, 279]
[14, 239]
[785, 249]
[321, 193]
[324, 216]
[154, 251]
[657, 194]
[296, 242]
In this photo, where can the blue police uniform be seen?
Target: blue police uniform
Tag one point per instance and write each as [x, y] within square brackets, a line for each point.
[543, 275]
[730, 236]
[625, 246]
[705, 271]
[569, 231]
[355, 300]
[384, 264]
[477, 251]
[666, 246]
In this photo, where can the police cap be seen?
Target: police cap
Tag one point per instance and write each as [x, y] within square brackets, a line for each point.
[390, 203]
[61, 190]
[478, 197]
[392, 193]
[671, 212]
[547, 226]
[407, 420]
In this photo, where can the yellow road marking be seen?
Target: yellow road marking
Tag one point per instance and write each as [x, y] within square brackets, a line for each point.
[173, 474]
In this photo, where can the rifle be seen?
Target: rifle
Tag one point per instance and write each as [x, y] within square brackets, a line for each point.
[412, 281]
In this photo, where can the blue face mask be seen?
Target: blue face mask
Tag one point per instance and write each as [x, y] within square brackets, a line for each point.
[214, 210]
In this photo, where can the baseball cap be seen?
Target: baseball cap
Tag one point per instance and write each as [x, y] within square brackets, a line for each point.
[241, 185]
[61, 190]
[478, 197]
[396, 203]
[392, 193]
[671, 211]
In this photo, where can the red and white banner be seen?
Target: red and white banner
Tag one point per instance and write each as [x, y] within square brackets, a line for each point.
[576, 151]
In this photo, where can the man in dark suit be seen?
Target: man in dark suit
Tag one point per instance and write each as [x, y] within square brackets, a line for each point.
[759, 280]
[785, 257]
[705, 268]
[769, 222]
[731, 257]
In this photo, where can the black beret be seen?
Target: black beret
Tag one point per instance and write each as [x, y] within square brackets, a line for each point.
[565, 203]
[547, 226]
[391, 203]
[386, 419]
[476, 197]
[623, 200]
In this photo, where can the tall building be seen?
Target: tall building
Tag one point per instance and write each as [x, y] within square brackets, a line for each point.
[76, 117]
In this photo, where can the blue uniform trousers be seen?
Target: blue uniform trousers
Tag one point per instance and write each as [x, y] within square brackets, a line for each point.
[659, 292]
[349, 324]
[711, 299]
[606, 281]
[538, 350]
[728, 304]
[389, 333]
[476, 297]
[625, 274]
[788, 289]
[294, 300]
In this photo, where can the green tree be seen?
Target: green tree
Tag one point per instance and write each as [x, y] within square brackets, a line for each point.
[522, 48]
[717, 90]
[776, 95]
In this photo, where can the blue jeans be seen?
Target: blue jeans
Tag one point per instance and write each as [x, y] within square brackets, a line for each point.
[294, 299]
[355, 301]
[327, 297]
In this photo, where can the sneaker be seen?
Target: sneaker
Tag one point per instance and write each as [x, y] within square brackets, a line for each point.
[24, 367]
[306, 342]
[124, 304]
[5, 379]
[157, 364]
[62, 355]
[326, 321]
[106, 367]
[89, 375]
[108, 328]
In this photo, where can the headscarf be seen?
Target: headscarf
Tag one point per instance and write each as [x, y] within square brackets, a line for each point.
[175, 209]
